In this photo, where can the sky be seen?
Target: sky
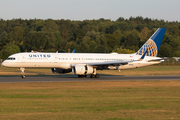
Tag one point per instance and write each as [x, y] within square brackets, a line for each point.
[168, 10]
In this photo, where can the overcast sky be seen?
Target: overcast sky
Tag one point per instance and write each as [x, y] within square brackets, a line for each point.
[90, 9]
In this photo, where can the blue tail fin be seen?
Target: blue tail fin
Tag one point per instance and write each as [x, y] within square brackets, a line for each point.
[153, 44]
[74, 51]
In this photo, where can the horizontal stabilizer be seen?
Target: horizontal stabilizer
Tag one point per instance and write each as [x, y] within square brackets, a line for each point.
[161, 59]
[155, 60]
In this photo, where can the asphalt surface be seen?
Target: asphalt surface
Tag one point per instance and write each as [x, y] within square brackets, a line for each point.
[73, 78]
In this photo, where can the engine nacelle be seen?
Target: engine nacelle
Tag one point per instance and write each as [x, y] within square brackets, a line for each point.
[59, 70]
[82, 69]
[114, 67]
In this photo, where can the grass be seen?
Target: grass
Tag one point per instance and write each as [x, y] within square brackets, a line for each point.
[104, 100]
[151, 70]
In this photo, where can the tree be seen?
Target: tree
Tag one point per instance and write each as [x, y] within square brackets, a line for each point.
[38, 25]
[79, 34]
[2, 25]
[132, 40]
[165, 51]
[120, 19]
[4, 40]
[87, 44]
[39, 41]
[50, 26]
[101, 35]
[16, 35]
[59, 40]
[83, 47]
[144, 34]
[112, 41]
[125, 51]
[118, 36]
[9, 50]
[173, 30]
[176, 53]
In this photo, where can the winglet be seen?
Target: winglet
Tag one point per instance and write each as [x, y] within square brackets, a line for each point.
[74, 51]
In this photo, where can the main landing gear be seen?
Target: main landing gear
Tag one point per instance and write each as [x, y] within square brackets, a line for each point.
[22, 72]
[93, 75]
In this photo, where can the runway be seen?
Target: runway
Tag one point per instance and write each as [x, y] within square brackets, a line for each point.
[73, 78]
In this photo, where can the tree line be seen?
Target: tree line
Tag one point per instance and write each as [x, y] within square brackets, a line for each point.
[87, 36]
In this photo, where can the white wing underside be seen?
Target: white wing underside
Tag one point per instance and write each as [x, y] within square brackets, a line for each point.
[109, 63]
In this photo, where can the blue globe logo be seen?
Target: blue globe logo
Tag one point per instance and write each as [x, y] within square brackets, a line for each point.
[151, 48]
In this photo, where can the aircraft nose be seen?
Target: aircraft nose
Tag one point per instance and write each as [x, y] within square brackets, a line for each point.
[3, 63]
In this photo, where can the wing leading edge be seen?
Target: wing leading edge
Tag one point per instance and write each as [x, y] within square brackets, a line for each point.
[115, 63]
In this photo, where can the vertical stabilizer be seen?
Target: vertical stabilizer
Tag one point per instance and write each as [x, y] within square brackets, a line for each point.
[153, 44]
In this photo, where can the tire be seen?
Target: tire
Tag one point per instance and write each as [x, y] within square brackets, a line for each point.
[79, 76]
[92, 76]
[23, 76]
[97, 76]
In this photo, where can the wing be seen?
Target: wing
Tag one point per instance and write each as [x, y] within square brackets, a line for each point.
[115, 63]
[108, 63]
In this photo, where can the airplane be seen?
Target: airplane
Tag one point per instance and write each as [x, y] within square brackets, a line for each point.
[83, 64]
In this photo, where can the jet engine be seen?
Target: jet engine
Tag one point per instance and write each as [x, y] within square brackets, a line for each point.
[59, 70]
[114, 67]
[82, 69]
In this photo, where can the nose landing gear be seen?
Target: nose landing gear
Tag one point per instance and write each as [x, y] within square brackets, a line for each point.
[22, 73]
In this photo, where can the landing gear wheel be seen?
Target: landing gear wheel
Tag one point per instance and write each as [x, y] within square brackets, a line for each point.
[23, 76]
[97, 76]
[92, 76]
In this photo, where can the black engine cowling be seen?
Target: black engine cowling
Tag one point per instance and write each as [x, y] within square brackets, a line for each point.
[59, 70]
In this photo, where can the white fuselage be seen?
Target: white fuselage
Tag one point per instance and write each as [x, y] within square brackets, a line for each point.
[67, 60]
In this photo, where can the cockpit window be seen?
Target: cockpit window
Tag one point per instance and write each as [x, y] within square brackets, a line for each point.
[10, 58]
